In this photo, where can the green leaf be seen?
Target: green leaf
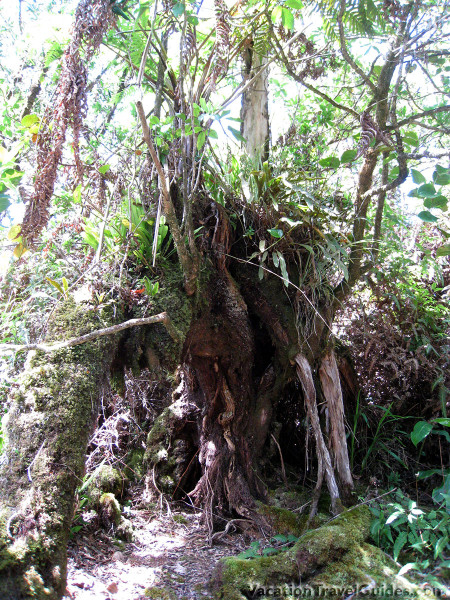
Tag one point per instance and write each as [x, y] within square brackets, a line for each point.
[411, 138]
[426, 216]
[441, 420]
[441, 178]
[276, 233]
[4, 202]
[29, 120]
[331, 161]
[295, 4]
[103, 169]
[276, 260]
[417, 176]
[201, 139]
[442, 170]
[14, 232]
[65, 284]
[178, 9]
[437, 202]
[348, 156]
[287, 18]
[399, 543]
[420, 431]
[213, 134]
[237, 134]
[56, 285]
[427, 190]
[276, 14]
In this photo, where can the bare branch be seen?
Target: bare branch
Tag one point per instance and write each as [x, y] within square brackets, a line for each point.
[89, 337]
[425, 113]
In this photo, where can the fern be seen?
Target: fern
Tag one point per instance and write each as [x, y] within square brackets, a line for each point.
[261, 38]
[361, 17]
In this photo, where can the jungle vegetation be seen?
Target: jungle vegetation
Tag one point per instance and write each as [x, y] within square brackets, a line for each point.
[250, 201]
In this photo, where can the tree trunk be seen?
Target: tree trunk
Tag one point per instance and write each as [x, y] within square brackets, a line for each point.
[255, 107]
[46, 432]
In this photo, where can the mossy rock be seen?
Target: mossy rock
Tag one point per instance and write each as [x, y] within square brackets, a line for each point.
[105, 480]
[125, 530]
[110, 511]
[327, 559]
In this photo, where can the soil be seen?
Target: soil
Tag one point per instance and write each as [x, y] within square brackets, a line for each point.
[169, 558]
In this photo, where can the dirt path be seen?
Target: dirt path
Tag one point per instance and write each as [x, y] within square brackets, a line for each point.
[169, 558]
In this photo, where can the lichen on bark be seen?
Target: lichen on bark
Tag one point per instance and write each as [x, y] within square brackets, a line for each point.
[46, 431]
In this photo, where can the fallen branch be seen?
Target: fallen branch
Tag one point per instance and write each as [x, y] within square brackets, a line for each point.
[88, 337]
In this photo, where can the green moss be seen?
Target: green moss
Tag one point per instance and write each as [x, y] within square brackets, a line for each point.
[110, 508]
[47, 430]
[282, 520]
[125, 530]
[135, 465]
[159, 593]
[106, 479]
[180, 519]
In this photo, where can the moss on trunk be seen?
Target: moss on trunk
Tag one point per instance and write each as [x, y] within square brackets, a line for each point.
[46, 432]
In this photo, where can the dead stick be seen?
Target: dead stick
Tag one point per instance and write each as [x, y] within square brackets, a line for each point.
[82, 339]
[283, 470]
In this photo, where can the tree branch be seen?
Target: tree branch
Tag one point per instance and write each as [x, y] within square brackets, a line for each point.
[89, 337]
[425, 113]
[189, 270]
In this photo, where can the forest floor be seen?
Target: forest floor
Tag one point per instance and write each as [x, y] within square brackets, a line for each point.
[168, 559]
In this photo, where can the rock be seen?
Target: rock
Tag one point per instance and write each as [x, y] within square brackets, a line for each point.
[112, 588]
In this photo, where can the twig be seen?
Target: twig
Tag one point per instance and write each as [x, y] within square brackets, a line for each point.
[283, 470]
[88, 337]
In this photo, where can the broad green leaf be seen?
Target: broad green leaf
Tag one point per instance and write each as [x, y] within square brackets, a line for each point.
[4, 202]
[287, 18]
[103, 169]
[420, 431]
[417, 176]
[29, 120]
[442, 170]
[295, 4]
[65, 284]
[426, 216]
[178, 9]
[427, 190]
[276, 233]
[237, 134]
[348, 156]
[411, 138]
[437, 202]
[441, 178]
[213, 134]
[331, 161]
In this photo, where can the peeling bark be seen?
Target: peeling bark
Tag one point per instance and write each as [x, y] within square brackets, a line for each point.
[331, 388]
[325, 467]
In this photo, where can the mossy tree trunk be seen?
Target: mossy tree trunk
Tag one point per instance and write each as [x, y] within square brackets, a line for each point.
[231, 378]
[46, 431]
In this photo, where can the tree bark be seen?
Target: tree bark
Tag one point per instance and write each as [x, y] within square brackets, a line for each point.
[331, 388]
[255, 107]
[46, 433]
